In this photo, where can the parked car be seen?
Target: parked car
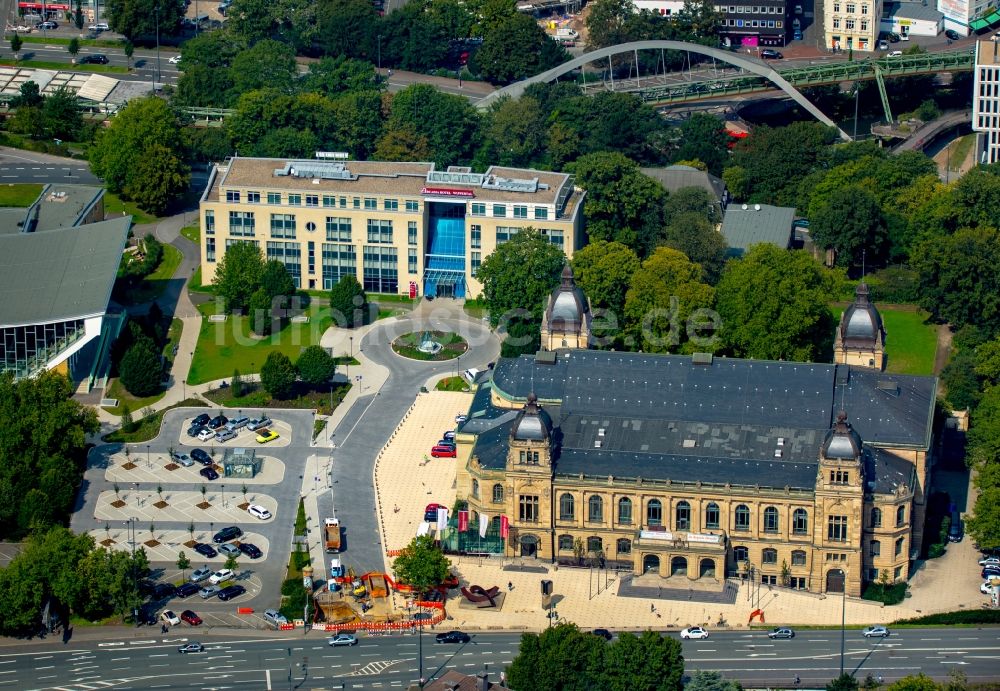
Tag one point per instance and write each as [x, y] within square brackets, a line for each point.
[781, 632]
[187, 589]
[460, 418]
[342, 639]
[183, 459]
[895, 54]
[161, 591]
[952, 34]
[99, 26]
[439, 451]
[198, 575]
[169, 617]
[453, 637]
[989, 561]
[22, 29]
[274, 617]
[447, 442]
[769, 54]
[250, 549]
[603, 633]
[93, 59]
[694, 632]
[195, 430]
[228, 549]
[258, 511]
[191, 618]
[174, 59]
[205, 550]
[218, 422]
[205, 434]
[797, 35]
[449, 435]
[267, 435]
[220, 576]
[883, 45]
[202, 419]
[209, 473]
[893, 37]
[986, 587]
[200, 456]
[258, 423]
[990, 571]
[230, 592]
[48, 25]
[194, 647]
[225, 435]
[226, 534]
[875, 632]
[238, 423]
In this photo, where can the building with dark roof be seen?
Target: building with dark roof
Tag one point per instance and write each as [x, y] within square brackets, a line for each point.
[808, 475]
[678, 177]
[566, 321]
[860, 338]
[58, 264]
[747, 225]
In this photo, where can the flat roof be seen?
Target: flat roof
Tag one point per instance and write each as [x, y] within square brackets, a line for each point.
[60, 274]
[62, 206]
[987, 53]
[912, 10]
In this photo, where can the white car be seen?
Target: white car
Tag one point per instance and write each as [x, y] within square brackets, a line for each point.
[100, 26]
[986, 588]
[990, 561]
[258, 511]
[174, 59]
[206, 434]
[895, 54]
[220, 576]
[170, 618]
[694, 632]
[22, 29]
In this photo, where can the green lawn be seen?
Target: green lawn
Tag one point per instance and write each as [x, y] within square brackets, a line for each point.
[959, 150]
[20, 194]
[911, 342]
[195, 286]
[225, 346]
[150, 427]
[155, 283]
[192, 233]
[114, 205]
[52, 41]
[63, 67]
[452, 384]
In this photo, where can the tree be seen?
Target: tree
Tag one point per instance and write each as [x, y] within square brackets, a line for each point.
[403, 144]
[421, 564]
[138, 155]
[703, 138]
[607, 23]
[519, 275]
[664, 294]
[183, 563]
[253, 20]
[238, 275]
[28, 94]
[275, 280]
[315, 366]
[984, 525]
[73, 47]
[983, 438]
[267, 64]
[851, 223]
[914, 682]
[516, 49]
[61, 117]
[348, 303]
[450, 122]
[772, 161]
[333, 76]
[604, 271]
[141, 369]
[236, 384]
[622, 204]
[773, 305]
[260, 312]
[346, 27]
[277, 375]
[78, 15]
[515, 131]
[649, 661]
[691, 233]
[231, 563]
[128, 48]
[135, 18]
[711, 681]
[845, 682]
[15, 45]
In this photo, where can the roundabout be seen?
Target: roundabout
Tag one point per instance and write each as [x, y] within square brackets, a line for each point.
[430, 346]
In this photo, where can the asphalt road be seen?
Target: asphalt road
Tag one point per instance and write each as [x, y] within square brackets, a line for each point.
[17, 165]
[291, 660]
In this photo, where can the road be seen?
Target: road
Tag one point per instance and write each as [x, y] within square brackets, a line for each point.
[18, 165]
[126, 662]
[143, 60]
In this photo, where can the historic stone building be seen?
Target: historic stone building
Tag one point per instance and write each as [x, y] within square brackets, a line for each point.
[860, 337]
[566, 322]
[798, 474]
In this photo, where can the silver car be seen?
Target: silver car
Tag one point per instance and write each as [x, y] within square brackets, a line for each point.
[237, 423]
[199, 575]
[208, 591]
[225, 435]
[274, 617]
[229, 549]
[258, 423]
[182, 458]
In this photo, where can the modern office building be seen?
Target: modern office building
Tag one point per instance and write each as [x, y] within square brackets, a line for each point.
[761, 23]
[393, 225]
[852, 24]
[969, 16]
[805, 475]
[58, 263]
[986, 101]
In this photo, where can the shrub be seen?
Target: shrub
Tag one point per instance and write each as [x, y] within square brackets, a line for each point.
[140, 369]
[889, 594]
[971, 616]
[300, 519]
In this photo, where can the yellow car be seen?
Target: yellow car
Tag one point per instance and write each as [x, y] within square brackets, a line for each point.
[266, 435]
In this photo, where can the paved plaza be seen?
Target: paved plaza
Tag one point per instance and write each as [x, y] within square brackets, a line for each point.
[158, 468]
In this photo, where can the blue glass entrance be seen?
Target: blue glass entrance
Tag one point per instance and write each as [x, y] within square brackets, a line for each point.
[444, 263]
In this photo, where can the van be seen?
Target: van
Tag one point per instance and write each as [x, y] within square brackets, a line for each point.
[955, 532]
[274, 617]
[237, 423]
[225, 435]
[470, 375]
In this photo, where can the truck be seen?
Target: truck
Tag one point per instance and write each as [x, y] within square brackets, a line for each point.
[332, 527]
[336, 568]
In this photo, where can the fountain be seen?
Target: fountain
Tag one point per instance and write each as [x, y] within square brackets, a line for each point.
[428, 345]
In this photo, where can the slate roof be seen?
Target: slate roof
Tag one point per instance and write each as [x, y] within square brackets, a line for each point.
[746, 225]
[911, 10]
[678, 177]
[885, 471]
[61, 274]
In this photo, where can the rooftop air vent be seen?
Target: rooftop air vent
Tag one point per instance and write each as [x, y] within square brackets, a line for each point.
[701, 358]
[600, 432]
[888, 386]
[745, 207]
[778, 453]
[689, 443]
[598, 443]
[781, 441]
[545, 357]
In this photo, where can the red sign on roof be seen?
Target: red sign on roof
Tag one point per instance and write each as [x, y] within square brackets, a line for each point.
[447, 192]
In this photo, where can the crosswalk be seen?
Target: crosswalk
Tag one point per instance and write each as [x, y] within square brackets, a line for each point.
[93, 685]
[375, 667]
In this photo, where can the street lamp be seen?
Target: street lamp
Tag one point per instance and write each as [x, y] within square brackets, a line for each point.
[223, 496]
[157, 44]
[843, 621]
[149, 463]
[379, 52]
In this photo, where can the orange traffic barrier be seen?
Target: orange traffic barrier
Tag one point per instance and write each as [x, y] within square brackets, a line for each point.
[244, 610]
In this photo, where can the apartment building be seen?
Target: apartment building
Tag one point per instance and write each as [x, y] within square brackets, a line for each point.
[852, 24]
[763, 23]
[986, 101]
[398, 227]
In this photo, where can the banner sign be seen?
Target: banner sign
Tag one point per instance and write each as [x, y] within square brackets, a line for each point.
[447, 192]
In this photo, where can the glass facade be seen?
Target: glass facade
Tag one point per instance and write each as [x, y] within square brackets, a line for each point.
[25, 350]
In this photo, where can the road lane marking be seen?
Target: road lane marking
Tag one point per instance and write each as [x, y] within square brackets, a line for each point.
[46, 667]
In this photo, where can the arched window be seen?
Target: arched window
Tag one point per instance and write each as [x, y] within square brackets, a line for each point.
[769, 556]
[565, 543]
[712, 515]
[875, 549]
[742, 518]
[654, 512]
[498, 493]
[876, 517]
[741, 553]
[900, 516]
[567, 507]
[595, 508]
[800, 522]
[624, 546]
[475, 488]
[899, 546]
[625, 511]
[683, 516]
[770, 520]
[799, 558]
[594, 545]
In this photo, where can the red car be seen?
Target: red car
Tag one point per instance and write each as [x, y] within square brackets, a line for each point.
[441, 451]
[191, 618]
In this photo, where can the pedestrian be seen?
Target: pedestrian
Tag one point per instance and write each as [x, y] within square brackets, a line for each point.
[652, 608]
[510, 586]
[797, 680]
[163, 628]
[880, 679]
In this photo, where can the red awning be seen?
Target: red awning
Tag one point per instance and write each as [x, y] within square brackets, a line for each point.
[40, 6]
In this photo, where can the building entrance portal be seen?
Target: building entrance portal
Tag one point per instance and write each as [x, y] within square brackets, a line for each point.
[651, 563]
[835, 581]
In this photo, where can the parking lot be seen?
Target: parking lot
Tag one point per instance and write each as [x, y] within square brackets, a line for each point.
[160, 498]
